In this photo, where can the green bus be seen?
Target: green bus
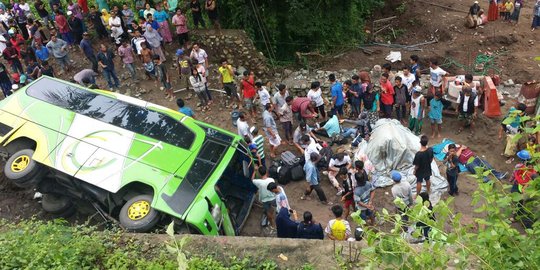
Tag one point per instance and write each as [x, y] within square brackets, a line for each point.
[138, 163]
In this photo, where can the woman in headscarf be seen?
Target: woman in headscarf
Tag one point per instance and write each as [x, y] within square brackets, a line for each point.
[161, 16]
[105, 18]
[154, 40]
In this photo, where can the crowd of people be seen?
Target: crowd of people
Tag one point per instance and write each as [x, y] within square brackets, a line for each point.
[29, 41]
[506, 10]
[311, 124]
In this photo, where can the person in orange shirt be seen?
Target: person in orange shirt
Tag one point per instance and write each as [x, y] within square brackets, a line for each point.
[387, 96]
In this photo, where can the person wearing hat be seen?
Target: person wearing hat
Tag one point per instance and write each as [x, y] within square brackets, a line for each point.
[401, 190]
[524, 172]
[312, 179]
[76, 26]
[125, 51]
[467, 109]
[474, 9]
[418, 105]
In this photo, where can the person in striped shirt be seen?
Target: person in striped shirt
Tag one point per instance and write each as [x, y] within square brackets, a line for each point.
[258, 143]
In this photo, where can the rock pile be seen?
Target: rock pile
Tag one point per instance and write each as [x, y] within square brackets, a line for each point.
[236, 46]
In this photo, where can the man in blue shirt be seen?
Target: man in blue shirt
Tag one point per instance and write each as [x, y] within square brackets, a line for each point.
[336, 90]
[415, 68]
[86, 47]
[182, 108]
[312, 178]
[42, 53]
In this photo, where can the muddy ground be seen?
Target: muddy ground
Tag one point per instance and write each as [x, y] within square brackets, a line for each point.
[454, 40]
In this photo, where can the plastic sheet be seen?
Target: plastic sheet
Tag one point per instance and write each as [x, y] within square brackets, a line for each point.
[392, 147]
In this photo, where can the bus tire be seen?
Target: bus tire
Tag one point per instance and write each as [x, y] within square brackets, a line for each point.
[22, 170]
[137, 215]
[57, 205]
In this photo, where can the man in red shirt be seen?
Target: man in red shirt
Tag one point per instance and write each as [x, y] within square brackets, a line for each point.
[387, 95]
[303, 108]
[248, 93]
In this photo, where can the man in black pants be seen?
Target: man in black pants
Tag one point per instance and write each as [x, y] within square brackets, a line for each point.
[312, 178]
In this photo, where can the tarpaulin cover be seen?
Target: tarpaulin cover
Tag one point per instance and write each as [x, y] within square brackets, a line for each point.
[392, 147]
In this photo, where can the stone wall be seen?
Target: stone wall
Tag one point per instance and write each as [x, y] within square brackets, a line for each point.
[235, 45]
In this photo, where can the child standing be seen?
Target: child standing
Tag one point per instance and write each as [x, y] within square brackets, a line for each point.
[348, 187]
[452, 169]
[418, 103]
[435, 114]
[338, 228]
[509, 7]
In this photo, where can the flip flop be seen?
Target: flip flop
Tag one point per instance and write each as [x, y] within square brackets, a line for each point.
[459, 131]
[509, 161]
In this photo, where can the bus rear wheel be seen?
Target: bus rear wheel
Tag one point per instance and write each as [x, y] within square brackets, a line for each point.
[137, 215]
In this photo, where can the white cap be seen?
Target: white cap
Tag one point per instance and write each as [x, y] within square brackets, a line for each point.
[476, 2]
[14, 87]
[69, 13]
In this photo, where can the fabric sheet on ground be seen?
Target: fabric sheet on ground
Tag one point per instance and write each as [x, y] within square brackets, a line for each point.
[392, 147]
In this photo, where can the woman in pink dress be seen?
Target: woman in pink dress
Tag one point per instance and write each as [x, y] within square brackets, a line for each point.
[161, 16]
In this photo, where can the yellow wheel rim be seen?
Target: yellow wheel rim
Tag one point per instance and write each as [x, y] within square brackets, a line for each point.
[20, 163]
[138, 210]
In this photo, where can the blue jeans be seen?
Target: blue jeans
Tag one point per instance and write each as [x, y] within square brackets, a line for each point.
[478, 162]
[349, 132]
[110, 76]
[131, 68]
[452, 183]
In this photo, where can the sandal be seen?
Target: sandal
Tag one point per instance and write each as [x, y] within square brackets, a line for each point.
[509, 161]
[459, 131]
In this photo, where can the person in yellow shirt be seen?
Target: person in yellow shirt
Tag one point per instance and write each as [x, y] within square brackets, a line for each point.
[508, 8]
[227, 80]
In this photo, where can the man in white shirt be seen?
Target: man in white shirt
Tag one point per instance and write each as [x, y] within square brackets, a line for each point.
[301, 130]
[467, 108]
[264, 95]
[115, 24]
[243, 126]
[199, 54]
[310, 146]
[337, 162]
[266, 197]
[408, 78]
[436, 76]
[280, 95]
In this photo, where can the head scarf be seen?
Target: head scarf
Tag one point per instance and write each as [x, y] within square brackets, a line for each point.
[152, 37]
[105, 16]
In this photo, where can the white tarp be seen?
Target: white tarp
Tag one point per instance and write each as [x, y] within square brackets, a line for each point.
[392, 147]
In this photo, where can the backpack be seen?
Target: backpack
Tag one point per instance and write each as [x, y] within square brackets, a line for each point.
[338, 229]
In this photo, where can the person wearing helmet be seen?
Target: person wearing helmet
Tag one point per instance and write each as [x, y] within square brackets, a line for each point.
[524, 172]
[401, 189]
